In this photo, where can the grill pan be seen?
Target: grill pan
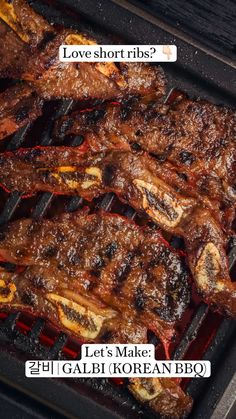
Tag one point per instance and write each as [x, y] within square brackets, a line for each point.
[199, 72]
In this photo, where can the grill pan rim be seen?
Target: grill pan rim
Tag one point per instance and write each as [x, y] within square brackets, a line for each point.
[222, 92]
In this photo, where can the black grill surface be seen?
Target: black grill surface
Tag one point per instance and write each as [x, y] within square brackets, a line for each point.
[96, 398]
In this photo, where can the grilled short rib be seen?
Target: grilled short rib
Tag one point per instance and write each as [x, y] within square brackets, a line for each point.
[54, 79]
[105, 256]
[104, 279]
[138, 179]
[37, 44]
[37, 62]
[19, 104]
[24, 21]
[13, 53]
[22, 32]
[197, 137]
[58, 293]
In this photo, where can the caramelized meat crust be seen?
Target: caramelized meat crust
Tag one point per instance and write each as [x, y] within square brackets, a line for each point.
[88, 317]
[13, 53]
[35, 45]
[22, 32]
[197, 137]
[139, 180]
[54, 79]
[29, 26]
[106, 256]
[19, 105]
[104, 279]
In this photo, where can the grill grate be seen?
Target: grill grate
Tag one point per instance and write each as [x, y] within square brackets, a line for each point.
[39, 339]
[31, 340]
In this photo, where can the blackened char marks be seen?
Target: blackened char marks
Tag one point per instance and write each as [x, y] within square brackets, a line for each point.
[18, 106]
[65, 126]
[50, 251]
[123, 271]
[29, 298]
[161, 205]
[98, 262]
[48, 37]
[104, 255]
[110, 249]
[31, 154]
[76, 317]
[94, 116]
[139, 299]
[186, 157]
[39, 282]
[196, 138]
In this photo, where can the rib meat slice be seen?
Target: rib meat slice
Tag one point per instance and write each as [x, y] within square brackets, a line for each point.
[22, 32]
[19, 105]
[13, 53]
[197, 137]
[30, 27]
[139, 180]
[55, 79]
[78, 314]
[37, 44]
[106, 256]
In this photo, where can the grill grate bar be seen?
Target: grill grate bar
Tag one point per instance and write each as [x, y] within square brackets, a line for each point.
[8, 329]
[10, 322]
[191, 332]
[55, 351]
[35, 331]
[19, 137]
[42, 205]
[106, 202]
[232, 257]
[10, 207]
[130, 213]
[74, 203]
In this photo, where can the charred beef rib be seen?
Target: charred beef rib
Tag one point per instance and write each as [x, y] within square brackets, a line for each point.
[87, 316]
[37, 42]
[18, 106]
[138, 179]
[13, 52]
[21, 31]
[104, 279]
[30, 52]
[30, 27]
[106, 257]
[197, 137]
